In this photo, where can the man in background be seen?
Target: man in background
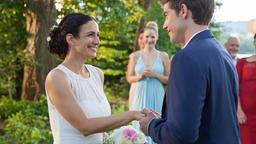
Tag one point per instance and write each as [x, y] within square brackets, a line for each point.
[232, 46]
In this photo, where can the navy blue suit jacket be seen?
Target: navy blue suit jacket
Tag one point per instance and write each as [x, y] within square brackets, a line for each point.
[201, 98]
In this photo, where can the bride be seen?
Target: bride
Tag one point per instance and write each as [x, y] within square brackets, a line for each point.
[78, 108]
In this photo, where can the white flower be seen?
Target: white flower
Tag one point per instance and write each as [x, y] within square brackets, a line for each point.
[128, 135]
[54, 27]
[48, 38]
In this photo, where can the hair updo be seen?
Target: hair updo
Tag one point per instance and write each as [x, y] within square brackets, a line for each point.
[152, 25]
[70, 24]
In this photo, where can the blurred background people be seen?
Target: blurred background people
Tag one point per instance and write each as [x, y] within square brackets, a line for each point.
[148, 69]
[232, 45]
[246, 68]
[140, 45]
[140, 39]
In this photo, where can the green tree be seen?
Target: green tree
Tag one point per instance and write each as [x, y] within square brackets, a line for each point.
[29, 62]
[40, 16]
[13, 41]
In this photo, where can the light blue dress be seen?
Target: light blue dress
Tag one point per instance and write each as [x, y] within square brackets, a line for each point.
[149, 92]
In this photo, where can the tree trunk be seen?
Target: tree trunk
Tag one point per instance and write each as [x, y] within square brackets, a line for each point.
[145, 4]
[40, 16]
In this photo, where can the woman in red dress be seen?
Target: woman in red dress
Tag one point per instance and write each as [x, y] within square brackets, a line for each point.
[246, 68]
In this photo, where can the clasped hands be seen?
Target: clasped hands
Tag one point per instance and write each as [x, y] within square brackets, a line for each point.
[148, 73]
[148, 115]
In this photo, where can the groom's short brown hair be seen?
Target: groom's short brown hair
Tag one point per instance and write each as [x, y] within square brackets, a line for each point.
[202, 10]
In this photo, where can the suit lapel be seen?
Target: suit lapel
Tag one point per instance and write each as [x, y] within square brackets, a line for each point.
[164, 108]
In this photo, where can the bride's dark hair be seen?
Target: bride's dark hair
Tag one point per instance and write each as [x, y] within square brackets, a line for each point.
[70, 24]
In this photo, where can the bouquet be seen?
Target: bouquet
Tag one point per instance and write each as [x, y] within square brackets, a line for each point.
[127, 135]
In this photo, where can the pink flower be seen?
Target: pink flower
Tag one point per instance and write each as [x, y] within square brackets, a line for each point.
[127, 135]
[130, 134]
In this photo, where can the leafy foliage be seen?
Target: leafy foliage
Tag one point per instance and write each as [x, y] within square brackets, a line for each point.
[26, 122]
[117, 97]
[13, 41]
[217, 28]
[27, 128]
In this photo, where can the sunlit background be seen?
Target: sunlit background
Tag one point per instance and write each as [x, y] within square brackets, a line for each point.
[236, 10]
[239, 18]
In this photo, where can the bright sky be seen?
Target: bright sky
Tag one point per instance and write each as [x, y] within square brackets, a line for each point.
[236, 10]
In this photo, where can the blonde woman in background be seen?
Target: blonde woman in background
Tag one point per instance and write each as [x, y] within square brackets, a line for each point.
[148, 69]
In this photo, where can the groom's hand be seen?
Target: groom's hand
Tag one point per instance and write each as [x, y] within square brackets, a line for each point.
[144, 122]
[158, 115]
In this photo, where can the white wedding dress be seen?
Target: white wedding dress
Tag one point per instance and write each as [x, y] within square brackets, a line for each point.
[92, 100]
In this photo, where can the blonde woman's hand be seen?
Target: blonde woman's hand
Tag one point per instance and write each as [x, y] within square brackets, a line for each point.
[241, 116]
[140, 76]
[149, 73]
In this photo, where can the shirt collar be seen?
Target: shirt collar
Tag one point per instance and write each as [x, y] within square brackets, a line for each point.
[193, 37]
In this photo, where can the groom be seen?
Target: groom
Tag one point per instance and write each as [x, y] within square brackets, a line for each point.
[201, 98]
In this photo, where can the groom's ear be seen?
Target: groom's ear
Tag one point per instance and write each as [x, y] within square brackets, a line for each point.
[184, 11]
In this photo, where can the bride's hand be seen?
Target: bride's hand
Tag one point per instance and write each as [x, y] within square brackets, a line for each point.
[138, 115]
